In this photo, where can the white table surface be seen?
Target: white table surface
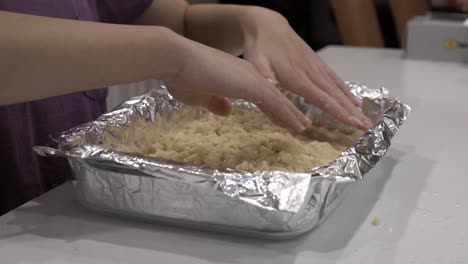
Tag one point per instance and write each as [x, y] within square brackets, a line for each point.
[419, 191]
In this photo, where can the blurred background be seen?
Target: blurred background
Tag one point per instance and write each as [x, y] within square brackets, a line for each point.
[370, 23]
[366, 23]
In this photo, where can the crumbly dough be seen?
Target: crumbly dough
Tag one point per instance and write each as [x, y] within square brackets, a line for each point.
[246, 141]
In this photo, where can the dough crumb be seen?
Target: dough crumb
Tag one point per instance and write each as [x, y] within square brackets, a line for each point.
[376, 222]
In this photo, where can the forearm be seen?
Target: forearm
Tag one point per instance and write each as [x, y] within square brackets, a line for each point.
[227, 27]
[214, 25]
[165, 13]
[223, 27]
[42, 57]
[218, 26]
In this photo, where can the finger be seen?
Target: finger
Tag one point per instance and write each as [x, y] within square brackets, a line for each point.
[305, 121]
[346, 93]
[335, 81]
[326, 103]
[339, 82]
[343, 87]
[330, 88]
[336, 88]
[263, 66]
[277, 107]
[314, 95]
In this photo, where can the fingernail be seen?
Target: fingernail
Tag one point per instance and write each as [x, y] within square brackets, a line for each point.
[273, 81]
[307, 121]
[300, 127]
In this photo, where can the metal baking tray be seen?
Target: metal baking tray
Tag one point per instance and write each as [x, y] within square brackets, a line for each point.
[265, 204]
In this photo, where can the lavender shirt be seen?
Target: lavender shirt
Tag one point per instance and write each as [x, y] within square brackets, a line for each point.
[24, 175]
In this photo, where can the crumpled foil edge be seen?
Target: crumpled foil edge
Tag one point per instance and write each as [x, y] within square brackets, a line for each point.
[292, 201]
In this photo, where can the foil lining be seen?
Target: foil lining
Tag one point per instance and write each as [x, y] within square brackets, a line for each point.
[264, 203]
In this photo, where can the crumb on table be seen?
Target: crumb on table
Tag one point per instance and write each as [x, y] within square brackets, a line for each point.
[376, 221]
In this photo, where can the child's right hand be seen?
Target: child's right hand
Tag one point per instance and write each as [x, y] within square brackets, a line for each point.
[207, 77]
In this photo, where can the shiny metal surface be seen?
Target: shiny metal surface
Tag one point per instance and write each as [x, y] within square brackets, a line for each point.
[264, 203]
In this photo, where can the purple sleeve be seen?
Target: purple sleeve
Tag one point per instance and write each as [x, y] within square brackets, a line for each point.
[121, 11]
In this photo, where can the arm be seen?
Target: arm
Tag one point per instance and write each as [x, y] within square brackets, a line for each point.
[214, 25]
[268, 42]
[42, 57]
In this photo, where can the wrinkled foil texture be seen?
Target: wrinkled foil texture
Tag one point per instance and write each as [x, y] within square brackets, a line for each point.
[268, 204]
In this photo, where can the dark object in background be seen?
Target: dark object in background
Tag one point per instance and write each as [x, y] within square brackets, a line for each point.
[387, 25]
[297, 12]
[459, 6]
[315, 23]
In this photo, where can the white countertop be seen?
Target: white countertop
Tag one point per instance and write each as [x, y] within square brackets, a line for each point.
[419, 192]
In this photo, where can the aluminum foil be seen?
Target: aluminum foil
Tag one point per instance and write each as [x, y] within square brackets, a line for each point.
[264, 203]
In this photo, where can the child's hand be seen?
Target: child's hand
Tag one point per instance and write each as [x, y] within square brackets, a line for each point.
[208, 77]
[278, 53]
